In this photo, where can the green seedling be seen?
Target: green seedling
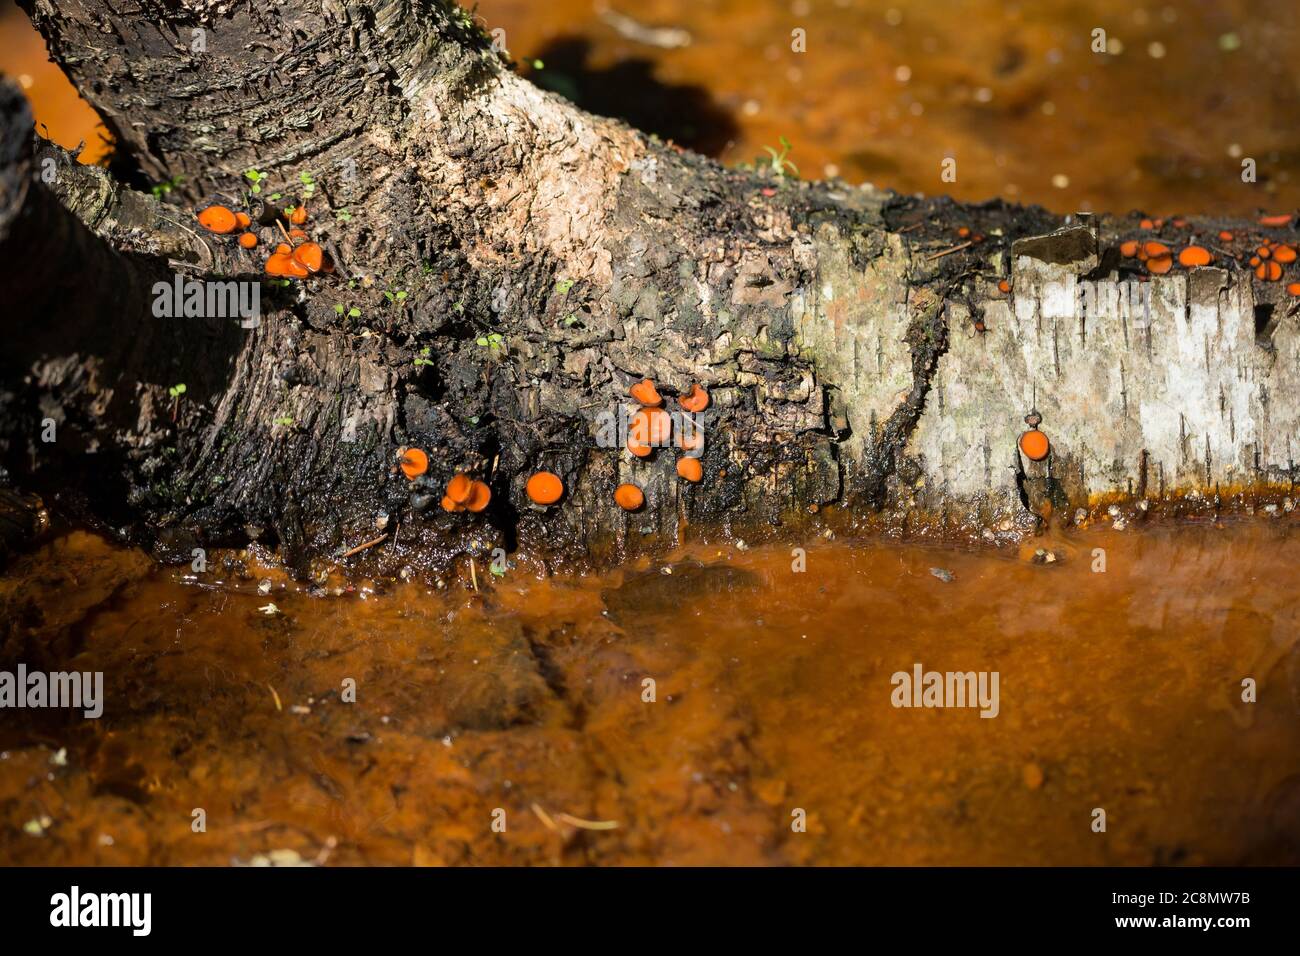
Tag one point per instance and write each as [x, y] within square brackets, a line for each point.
[163, 188]
[256, 178]
[780, 162]
[563, 286]
[176, 391]
[422, 359]
[494, 341]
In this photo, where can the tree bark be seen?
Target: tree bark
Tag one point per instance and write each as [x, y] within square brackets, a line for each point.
[864, 374]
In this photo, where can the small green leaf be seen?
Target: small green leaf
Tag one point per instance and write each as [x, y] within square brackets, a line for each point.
[563, 286]
[339, 308]
[354, 312]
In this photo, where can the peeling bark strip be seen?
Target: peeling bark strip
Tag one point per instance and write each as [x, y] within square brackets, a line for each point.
[858, 354]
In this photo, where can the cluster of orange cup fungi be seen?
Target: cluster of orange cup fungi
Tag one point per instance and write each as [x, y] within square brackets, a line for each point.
[1266, 260]
[287, 261]
[462, 492]
[650, 426]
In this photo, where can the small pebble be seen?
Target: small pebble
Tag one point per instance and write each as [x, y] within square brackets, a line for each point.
[943, 574]
[1033, 776]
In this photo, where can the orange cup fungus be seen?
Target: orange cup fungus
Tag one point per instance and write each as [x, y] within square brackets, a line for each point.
[218, 219]
[479, 496]
[1035, 445]
[545, 488]
[629, 497]
[1293, 288]
[1225, 236]
[696, 400]
[1129, 250]
[278, 264]
[650, 427]
[459, 488]
[1004, 286]
[1284, 254]
[414, 462]
[1275, 220]
[242, 219]
[690, 469]
[298, 216]
[466, 494]
[1268, 271]
[310, 256]
[248, 240]
[645, 393]
[1194, 256]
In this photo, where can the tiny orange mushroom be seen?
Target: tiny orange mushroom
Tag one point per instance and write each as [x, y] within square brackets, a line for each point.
[650, 426]
[1005, 287]
[248, 240]
[284, 249]
[1129, 250]
[242, 219]
[310, 256]
[1159, 265]
[1284, 254]
[1194, 256]
[459, 488]
[218, 219]
[298, 216]
[449, 505]
[1268, 271]
[629, 497]
[278, 265]
[690, 469]
[1293, 288]
[645, 393]
[1225, 236]
[696, 400]
[479, 496]
[545, 488]
[1155, 249]
[1035, 445]
[1275, 220]
[414, 462]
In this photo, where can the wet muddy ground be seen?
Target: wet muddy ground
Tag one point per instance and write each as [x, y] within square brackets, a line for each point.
[525, 707]
[513, 725]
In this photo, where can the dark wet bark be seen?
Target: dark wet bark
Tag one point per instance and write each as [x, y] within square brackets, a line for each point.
[821, 317]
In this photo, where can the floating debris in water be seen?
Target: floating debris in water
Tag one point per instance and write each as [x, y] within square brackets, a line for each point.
[943, 574]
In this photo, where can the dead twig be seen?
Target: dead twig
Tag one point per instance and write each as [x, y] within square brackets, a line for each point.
[361, 547]
[947, 252]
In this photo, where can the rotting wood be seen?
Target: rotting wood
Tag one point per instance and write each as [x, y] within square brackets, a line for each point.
[858, 380]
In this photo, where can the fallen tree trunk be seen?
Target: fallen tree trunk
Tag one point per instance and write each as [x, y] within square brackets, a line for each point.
[509, 265]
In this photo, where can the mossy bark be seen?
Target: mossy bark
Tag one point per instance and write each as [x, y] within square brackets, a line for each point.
[862, 375]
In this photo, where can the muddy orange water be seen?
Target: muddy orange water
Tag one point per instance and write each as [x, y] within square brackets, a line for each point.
[400, 725]
[407, 723]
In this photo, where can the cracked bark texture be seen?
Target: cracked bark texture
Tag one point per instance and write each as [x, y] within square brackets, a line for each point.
[851, 383]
